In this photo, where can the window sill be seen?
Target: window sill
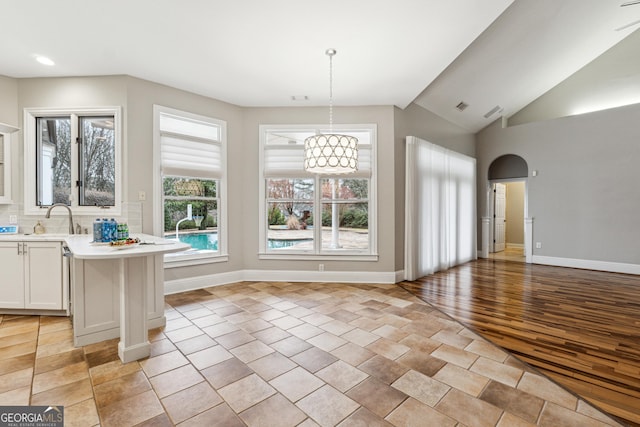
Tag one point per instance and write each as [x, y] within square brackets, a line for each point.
[178, 259]
[318, 257]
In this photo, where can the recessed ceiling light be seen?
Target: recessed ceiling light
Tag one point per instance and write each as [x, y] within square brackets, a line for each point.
[44, 60]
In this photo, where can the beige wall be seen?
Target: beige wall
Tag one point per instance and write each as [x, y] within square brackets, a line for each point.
[67, 92]
[416, 121]
[141, 96]
[381, 116]
[137, 97]
[585, 198]
[515, 213]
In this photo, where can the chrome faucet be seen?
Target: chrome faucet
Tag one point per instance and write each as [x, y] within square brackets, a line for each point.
[48, 215]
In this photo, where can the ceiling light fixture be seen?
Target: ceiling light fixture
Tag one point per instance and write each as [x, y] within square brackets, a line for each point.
[45, 61]
[331, 154]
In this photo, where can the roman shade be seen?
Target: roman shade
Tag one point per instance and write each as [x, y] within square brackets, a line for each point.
[190, 148]
[285, 159]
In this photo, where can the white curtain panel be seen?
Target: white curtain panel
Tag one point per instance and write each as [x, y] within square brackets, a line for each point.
[440, 208]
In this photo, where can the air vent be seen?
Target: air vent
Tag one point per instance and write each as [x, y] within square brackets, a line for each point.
[492, 111]
[461, 106]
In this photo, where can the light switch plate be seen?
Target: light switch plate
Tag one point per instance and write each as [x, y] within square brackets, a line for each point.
[13, 219]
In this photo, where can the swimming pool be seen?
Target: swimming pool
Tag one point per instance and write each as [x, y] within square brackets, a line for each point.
[201, 241]
[209, 241]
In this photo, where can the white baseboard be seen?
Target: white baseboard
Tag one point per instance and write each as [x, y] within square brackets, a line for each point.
[613, 267]
[200, 282]
[515, 245]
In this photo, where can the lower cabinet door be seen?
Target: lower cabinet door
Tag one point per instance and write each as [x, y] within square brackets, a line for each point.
[12, 281]
[43, 288]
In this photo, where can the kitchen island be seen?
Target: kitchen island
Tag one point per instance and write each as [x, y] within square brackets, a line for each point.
[118, 291]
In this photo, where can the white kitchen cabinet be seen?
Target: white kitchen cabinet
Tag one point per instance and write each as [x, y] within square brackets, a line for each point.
[44, 276]
[96, 287]
[5, 162]
[36, 278]
[12, 267]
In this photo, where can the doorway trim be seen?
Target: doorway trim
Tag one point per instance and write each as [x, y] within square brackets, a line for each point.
[507, 168]
[488, 223]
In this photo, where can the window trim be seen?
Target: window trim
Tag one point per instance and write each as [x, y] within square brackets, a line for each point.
[187, 258]
[30, 161]
[318, 253]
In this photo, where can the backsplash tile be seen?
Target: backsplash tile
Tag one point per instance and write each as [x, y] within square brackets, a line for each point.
[131, 214]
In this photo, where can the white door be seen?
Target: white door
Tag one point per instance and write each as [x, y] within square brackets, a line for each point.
[499, 220]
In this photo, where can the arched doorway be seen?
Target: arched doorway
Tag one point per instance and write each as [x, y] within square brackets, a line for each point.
[506, 226]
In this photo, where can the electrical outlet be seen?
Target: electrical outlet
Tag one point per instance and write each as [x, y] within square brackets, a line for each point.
[320, 267]
[538, 245]
[13, 219]
[142, 196]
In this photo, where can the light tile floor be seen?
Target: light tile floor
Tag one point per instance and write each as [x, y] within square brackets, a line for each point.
[286, 354]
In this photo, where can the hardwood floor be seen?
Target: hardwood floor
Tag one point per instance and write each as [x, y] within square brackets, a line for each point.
[579, 327]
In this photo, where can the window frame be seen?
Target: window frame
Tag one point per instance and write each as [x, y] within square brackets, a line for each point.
[187, 258]
[318, 253]
[31, 162]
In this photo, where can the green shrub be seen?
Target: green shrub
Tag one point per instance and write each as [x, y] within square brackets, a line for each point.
[275, 216]
[355, 218]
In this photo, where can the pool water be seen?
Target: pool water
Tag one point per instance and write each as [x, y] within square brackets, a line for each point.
[209, 241]
[201, 241]
[281, 244]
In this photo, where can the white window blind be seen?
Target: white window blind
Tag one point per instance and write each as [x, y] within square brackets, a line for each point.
[190, 148]
[284, 157]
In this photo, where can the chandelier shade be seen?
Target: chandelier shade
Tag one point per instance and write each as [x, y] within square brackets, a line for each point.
[330, 153]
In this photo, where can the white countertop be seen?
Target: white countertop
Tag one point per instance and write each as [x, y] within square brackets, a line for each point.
[48, 237]
[82, 247]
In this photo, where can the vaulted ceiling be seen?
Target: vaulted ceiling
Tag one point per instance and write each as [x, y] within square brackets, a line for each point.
[437, 53]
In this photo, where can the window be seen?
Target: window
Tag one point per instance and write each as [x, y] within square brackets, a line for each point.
[311, 215]
[73, 157]
[190, 152]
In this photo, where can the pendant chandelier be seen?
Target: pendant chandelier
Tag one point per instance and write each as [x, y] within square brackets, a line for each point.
[330, 153]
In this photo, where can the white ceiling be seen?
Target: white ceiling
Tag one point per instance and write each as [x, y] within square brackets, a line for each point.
[261, 53]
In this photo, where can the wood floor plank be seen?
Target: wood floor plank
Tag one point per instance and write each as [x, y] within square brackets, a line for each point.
[580, 327]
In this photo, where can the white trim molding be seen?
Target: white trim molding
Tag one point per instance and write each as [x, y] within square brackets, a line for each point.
[528, 240]
[613, 267]
[30, 116]
[486, 235]
[320, 276]
[201, 282]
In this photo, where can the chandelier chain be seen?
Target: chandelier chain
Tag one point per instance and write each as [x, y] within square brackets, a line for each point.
[331, 93]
